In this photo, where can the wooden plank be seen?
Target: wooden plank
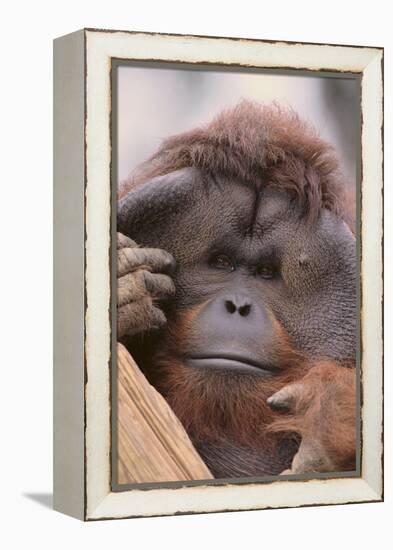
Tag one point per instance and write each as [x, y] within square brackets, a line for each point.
[152, 444]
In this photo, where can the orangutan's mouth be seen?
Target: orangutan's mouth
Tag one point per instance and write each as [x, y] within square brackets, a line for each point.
[231, 362]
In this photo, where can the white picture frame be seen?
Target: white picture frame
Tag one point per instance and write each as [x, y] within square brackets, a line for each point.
[82, 252]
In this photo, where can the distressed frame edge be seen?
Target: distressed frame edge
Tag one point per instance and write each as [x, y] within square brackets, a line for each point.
[361, 492]
[374, 490]
[232, 38]
[372, 274]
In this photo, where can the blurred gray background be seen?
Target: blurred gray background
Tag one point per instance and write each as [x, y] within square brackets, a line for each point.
[155, 102]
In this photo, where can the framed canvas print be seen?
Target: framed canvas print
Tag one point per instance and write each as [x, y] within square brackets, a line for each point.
[218, 274]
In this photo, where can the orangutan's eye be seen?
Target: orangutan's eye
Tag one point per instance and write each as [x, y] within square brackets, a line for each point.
[221, 261]
[266, 272]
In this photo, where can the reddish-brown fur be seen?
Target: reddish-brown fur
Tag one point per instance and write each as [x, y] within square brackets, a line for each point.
[211, 406]
[327, 391]
[263, 144]
[214, 407]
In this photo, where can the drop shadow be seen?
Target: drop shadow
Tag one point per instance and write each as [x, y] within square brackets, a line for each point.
[45, 499]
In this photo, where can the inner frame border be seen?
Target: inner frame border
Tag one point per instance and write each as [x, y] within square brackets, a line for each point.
[115, 64]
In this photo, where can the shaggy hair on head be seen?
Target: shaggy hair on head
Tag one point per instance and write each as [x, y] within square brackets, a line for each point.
[262, 145]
